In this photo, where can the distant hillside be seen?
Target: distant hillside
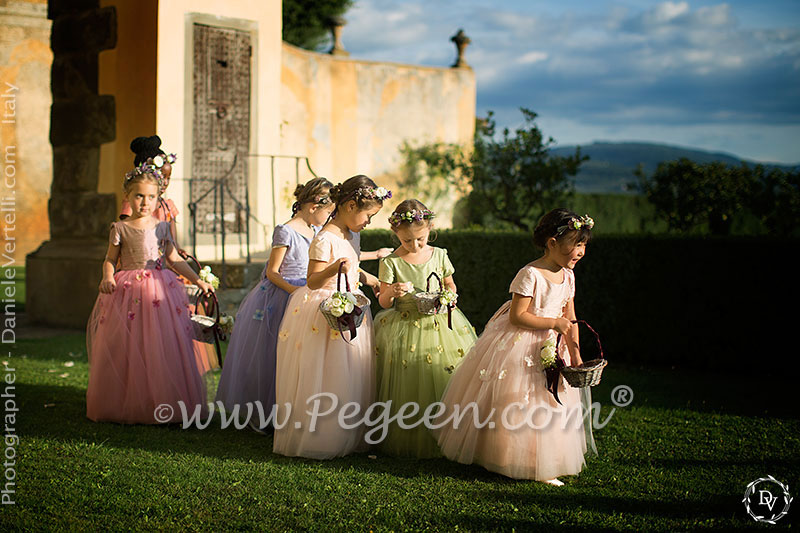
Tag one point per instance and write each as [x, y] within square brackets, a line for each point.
[612, 165]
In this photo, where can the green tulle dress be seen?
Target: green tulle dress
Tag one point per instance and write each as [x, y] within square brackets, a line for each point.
[417, 354]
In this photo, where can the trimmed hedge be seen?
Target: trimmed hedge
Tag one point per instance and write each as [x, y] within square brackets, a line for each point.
[683, 301]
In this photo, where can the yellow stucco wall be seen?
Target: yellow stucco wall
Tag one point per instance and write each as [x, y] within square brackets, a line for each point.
[262, 19]
[351, 116]
[127, 72]
[25, 60]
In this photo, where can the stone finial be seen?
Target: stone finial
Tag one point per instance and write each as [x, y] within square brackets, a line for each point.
[461, 41]
[336, 25]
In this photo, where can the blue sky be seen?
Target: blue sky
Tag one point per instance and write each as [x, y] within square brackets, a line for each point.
[721, 76]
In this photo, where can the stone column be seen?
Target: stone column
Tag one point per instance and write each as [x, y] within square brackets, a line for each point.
[336, 25]
[461, 41]
[62, 275]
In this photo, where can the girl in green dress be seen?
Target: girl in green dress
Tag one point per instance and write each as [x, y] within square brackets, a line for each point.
[417, 353]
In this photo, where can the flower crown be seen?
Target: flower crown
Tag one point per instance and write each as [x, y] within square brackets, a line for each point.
[145, 168]
[373, 193]
[576, 224]
[415, 215]
[160, 160]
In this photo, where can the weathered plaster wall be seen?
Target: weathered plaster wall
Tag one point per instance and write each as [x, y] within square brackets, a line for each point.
[25, 59]
[351, 117]
[128, 73]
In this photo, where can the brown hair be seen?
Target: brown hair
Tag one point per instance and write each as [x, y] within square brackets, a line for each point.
[553, 224]
[316, 191]
[349, 190]
[406, 206]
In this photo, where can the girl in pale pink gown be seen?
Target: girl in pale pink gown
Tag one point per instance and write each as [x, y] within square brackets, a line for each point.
[139, 336]
[312, 358]
[504, 376]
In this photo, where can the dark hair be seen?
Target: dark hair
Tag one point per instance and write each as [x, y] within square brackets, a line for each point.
[555, 224]
[410, 205]
[316, 191]
[145, 148]
[349, 190]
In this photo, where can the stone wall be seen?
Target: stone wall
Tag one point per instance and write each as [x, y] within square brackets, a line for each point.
[351, 117]
[25, 60]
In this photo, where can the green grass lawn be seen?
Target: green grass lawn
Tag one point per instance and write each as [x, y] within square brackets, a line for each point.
[678, 458]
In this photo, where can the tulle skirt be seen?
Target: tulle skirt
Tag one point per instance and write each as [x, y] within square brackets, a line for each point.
[525, 433]
[417, 355]
[248, 374]
[319, 372]
[141, 351]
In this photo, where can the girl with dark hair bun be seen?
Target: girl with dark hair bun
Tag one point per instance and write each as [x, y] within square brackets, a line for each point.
[314, 359]
[532, 436]
[249, 371]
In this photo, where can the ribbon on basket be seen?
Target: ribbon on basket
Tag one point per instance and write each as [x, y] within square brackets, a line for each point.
[438, 303]
[553, 373]
[347, 319]
[210, 306]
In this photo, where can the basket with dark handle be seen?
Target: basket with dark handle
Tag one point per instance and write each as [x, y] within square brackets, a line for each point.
[429, 303]
[587, 374]
[351, 320]
[209, 323]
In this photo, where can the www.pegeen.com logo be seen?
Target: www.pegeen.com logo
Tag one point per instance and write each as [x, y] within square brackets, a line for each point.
[767, 500]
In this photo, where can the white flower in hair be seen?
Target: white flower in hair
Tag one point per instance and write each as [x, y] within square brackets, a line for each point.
[158, 161]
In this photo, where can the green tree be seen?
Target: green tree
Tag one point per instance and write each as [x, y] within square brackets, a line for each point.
[306, 23]
[512, 179]
[776, 199]
[690, 195]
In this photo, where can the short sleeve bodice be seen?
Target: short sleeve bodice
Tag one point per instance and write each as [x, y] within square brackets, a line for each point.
[295, 262]
[140, 247]
[395, 269]
[328, 247]
[547, 298]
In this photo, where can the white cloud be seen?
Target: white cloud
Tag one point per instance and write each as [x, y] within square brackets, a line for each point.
[614, 66]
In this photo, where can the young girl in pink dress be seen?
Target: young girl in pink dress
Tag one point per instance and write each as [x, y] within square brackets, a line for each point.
[504, 375]
[139, 336]
[312, 358]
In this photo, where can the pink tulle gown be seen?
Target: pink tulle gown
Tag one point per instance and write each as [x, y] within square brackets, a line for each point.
[503, 372]
[140, 337]
[312, 359]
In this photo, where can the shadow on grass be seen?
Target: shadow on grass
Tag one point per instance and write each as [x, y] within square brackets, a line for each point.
[700, 391]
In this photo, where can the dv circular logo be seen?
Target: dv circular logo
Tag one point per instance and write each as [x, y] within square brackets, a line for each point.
[767, 500]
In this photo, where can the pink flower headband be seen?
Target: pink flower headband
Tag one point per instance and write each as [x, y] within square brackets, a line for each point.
[377, 193]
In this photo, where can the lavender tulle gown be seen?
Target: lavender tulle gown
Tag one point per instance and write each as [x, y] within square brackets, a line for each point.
[248, 373]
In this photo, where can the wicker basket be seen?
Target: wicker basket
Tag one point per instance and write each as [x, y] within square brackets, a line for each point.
[335, 322]
[589, 373]
[428, 301]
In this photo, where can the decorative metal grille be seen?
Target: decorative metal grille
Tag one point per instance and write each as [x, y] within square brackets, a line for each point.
[221, 127]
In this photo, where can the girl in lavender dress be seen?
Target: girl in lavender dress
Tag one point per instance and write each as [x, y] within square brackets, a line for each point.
[248, 374]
